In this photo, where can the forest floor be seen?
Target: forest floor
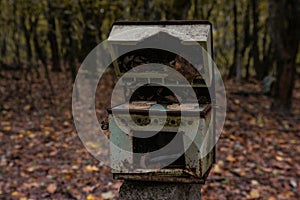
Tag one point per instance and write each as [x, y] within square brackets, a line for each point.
[42, 157]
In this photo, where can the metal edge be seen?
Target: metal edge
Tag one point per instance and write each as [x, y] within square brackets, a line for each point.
[202, 113]
[157, 178]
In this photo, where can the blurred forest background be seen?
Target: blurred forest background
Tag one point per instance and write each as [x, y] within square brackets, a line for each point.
[43, 42]
[251, 38]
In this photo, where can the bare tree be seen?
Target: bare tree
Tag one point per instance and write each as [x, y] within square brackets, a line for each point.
[55, 56]
[284, 30]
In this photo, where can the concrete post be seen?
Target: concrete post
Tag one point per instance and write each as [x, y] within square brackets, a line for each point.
[140, 190]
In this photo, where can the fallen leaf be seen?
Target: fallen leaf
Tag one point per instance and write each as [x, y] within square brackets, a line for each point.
[237, 101]
[75, 167]
[53, 153]
[91, 168]
[92, 197]
[254, 193]
[266, 169]
[217, 169]
[27, 107]
[279, 158]
[107, 195]
[51, 188]
[230, 158]
[7, 128]
[15, 194]
[88, 189]
[254, 182]
[30, 169]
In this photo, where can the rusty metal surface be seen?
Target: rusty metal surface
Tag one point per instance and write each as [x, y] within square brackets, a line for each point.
[191, 113]
[164, 177]
[195, 168]
[150, 177]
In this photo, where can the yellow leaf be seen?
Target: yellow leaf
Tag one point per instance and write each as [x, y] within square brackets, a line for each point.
[51, 188]
[7, 128]
[232, 137]
[91, 168]
[217, 169]
[15, 193]
[90, 197]
[254, 193]
[107, 195]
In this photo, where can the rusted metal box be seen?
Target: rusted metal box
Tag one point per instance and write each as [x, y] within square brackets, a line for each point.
[135, 141]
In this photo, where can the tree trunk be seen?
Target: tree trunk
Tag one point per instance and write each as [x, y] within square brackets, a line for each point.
[267, 56]
[284, 30]
[90, 31]
[195, 15]
[235, 65]
[15, 38]
[146, 12]
[52, 39]
[247, 39]
[69, 43]
[41, 54]
[27, 35]
[248, 65]
[180, 9]
[255, 50]
[3, 49]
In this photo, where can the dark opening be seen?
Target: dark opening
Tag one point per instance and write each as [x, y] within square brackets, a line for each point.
[156, 142]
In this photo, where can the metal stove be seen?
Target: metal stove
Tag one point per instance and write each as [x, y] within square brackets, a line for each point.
[134, 132]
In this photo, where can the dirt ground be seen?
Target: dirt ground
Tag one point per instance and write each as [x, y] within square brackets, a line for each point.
[42, 157]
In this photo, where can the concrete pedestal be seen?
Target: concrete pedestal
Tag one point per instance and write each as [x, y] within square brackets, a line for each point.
[139, 190]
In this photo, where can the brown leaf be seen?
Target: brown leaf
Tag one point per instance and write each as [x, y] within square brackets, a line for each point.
[230, 158]
[88, 189]
[30, 169]
[53, 153]
[279, 158]
[51, 188]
